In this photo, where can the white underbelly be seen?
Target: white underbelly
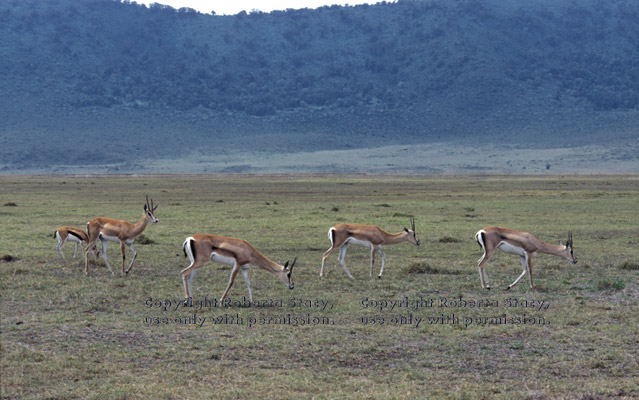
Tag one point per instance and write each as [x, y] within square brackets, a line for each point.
[222, 259]
[73, 239]
[358, 242]
[109, 238]
[509, 248]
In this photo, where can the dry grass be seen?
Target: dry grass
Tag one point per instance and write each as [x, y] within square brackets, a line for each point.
[65, 335]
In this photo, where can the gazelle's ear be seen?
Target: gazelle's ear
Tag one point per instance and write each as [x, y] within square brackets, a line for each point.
[405, 229]
[145, 207]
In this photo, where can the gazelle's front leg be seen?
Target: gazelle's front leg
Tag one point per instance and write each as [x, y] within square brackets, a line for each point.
[524, 264]
[135, 254]
[381, 271]
[59, 248]
[248, 284]
[373, 250]
[530, 278]
[234, 272]
[342, 254]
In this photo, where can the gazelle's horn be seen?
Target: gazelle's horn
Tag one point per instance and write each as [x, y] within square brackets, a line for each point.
[292, 265]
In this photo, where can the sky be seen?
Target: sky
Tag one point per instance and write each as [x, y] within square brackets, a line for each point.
[232, 7]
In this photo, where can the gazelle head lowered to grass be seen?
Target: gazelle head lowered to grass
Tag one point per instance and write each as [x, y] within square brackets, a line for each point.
[412, 236]
[567, 252]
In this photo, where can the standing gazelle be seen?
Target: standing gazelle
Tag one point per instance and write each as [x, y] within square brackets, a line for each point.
[341, 235]
[115, 230]
[523, 244]
[202, 248]
[74, 235]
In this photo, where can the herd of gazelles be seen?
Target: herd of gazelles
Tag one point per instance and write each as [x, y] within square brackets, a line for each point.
[239, 254]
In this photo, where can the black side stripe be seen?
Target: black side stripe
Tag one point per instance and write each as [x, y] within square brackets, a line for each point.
[75, 234]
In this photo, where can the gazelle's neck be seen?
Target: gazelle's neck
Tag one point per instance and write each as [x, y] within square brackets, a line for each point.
[393, 238]
[140, 226]
[552, 249]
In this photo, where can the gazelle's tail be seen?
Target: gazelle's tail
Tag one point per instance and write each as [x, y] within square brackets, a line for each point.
[479, 237]
[331, 236]
[188, 248]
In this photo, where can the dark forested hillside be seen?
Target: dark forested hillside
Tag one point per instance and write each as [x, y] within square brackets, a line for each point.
[411, 70]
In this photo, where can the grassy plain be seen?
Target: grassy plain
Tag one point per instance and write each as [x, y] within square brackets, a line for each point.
[65, 335]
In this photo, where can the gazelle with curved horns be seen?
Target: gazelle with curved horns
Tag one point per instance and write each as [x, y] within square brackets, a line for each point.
[523, 244]
[202, 248]
[77, 236]
[341, 235]
[115, 230]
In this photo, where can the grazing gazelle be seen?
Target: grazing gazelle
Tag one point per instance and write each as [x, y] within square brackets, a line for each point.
[202, 248]
[523, 244]
[341, 235]
[115, 230]
[71, 234]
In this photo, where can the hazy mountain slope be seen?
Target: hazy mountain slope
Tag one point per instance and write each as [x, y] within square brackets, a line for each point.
[102, 82]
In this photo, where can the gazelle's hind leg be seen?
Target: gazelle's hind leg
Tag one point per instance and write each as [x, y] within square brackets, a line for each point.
[483, 260]
[188, 274]
[524, 264]
[324, 257]
[342, 254]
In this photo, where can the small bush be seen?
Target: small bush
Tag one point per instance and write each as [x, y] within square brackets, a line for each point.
[8, 258]
[449, 239]
[422, 268]
[10, 204]
[143, 239]
[611, 284]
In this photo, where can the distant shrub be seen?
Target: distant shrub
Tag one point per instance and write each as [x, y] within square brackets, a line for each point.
[629, 266]
[8, 258]
[10, 204]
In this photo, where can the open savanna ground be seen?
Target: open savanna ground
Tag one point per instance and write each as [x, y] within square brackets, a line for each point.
[425, 330]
